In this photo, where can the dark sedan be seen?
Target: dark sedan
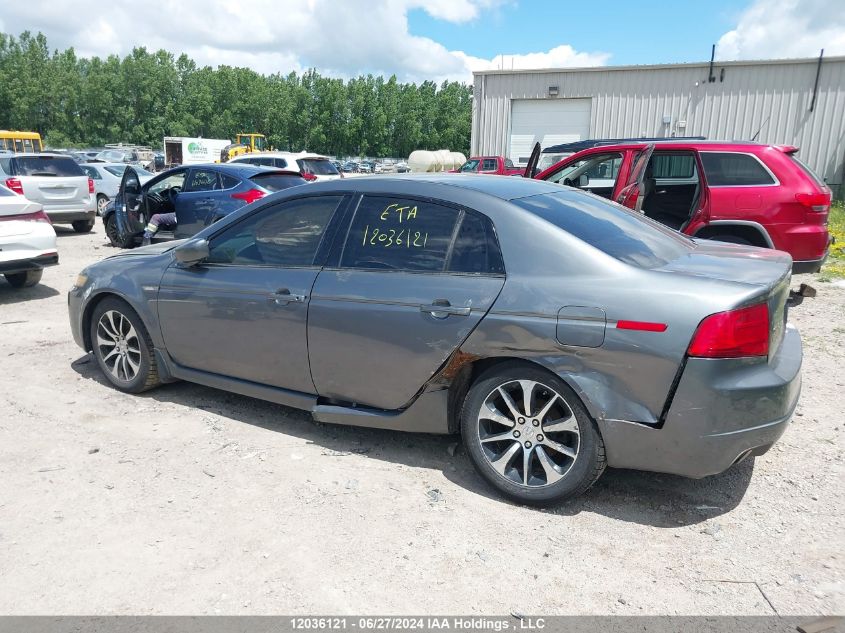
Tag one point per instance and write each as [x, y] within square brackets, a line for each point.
[559, 333]
[199, 195]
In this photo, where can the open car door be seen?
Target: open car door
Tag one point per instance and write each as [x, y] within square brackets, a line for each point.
[128, 208]
[531, 167]
[630, 195]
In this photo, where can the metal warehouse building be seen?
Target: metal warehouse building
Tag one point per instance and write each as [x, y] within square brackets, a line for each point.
[790, 102]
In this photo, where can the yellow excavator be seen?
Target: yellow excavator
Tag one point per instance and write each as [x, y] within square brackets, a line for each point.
[244, 144]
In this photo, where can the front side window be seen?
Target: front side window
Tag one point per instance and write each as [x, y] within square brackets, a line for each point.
[399, 234]
[284, 234]
[470, 166]
[203, 180]
[730, 169]
[595, 171]
[175, 180]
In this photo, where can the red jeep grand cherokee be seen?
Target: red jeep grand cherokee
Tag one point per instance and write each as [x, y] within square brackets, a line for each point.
[732, 191]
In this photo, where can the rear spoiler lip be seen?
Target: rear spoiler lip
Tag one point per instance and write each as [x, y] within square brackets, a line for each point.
[789, 150]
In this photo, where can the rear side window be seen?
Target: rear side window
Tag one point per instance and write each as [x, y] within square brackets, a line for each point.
[730, 169]
[476, 249]
[277, 182]
[399, 234]
[317, 166]
[45, 166]
[611, 228]
[673, 166]
[489, 164]
[92, 173]
[203, 180]
[229, 181]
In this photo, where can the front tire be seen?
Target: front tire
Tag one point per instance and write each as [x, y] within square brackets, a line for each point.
[83, 226]
[123, 347]
[102, 203]
[110, 224]
[25, 279]
[529, 436]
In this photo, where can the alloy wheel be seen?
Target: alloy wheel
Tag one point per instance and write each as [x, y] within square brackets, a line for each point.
[118, 345]
[528, 433]
[102, 203]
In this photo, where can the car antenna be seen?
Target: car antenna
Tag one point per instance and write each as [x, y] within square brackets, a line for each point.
[760, 129]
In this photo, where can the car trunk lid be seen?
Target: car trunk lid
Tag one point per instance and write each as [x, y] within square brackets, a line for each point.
[767, 272]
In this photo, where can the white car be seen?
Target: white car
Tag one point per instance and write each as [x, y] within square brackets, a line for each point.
[27, 240]
[313, 167]
[56, 182]
[107, 177]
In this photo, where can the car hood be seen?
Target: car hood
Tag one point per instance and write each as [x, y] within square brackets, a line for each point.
[733, 262]
[152, 249]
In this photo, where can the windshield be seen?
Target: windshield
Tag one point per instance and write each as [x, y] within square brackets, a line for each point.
[46, 166]
[118, 170]
[626, 235]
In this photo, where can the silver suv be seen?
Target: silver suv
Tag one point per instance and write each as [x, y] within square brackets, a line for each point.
[55, 181]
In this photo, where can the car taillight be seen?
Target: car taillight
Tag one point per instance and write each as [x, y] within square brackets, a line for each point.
[15, 185]
[817, 202]
[90, 185]
[732, 334]
[38, 216]
[309, 176]
[249, 196]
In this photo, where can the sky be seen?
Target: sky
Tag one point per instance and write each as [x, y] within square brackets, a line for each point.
[436, 40]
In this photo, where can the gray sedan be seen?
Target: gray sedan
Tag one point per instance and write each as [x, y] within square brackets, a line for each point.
[557, 332]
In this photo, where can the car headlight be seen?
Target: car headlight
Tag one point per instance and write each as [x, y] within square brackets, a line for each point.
[81, 278]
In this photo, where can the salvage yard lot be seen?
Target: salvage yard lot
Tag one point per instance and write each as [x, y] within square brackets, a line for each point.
[191, 500]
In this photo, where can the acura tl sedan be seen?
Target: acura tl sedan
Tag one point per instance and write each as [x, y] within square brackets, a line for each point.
[557, 332]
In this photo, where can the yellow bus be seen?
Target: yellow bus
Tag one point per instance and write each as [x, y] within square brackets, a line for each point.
[20, 141]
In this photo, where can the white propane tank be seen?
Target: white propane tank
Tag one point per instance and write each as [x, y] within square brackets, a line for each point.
[458, 159]
[422, 160]
[445, 157]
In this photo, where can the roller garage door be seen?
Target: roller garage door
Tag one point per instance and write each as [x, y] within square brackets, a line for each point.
[549, 121]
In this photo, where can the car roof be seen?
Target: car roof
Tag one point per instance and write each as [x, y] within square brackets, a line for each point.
[502, 187]
[293, 155]
[682, 144]
[244, 170]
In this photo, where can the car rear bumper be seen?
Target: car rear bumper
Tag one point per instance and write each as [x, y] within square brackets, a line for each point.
[30, 263]
[722, 411]
[66, 216]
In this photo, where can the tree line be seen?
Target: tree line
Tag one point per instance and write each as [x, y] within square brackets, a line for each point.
[145, 96]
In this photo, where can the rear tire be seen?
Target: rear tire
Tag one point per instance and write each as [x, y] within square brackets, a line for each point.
[83, 226]
[554, 454]
[123, 347]
[25, 279]
[730, 239]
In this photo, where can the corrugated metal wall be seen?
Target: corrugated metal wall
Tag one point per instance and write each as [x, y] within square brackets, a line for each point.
[773, 97]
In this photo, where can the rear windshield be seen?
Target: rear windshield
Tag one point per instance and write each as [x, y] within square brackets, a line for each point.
[317, 166]
[810, 173]
[45, 166]
[628, 236]
[277, 182]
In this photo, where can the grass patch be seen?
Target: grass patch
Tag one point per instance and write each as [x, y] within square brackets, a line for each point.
[834, 268]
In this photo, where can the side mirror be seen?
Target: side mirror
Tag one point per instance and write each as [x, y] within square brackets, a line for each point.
[583, 181]
[191, 252]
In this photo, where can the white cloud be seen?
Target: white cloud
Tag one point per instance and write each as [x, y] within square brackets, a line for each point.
[335, 36]
[785, 28]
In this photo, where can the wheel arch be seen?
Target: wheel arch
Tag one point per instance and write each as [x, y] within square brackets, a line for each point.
[463, 370]
[753, 232]
[95, 300]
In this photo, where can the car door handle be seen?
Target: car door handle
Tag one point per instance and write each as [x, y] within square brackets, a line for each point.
[283, 297]
[441, 308]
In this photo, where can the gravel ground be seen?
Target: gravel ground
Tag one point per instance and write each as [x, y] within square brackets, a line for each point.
[195, 501]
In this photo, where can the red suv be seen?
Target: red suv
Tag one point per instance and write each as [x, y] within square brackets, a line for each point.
[739, 192]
